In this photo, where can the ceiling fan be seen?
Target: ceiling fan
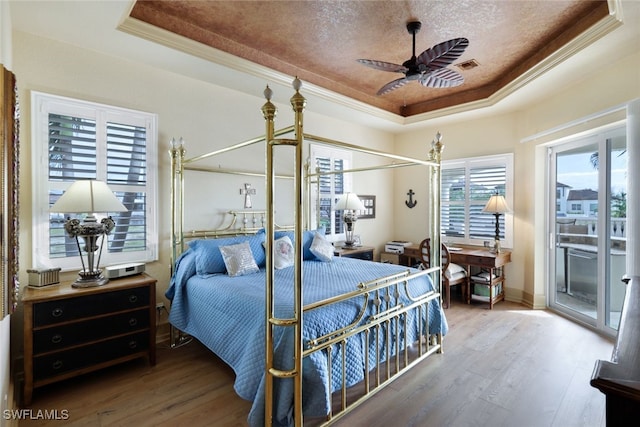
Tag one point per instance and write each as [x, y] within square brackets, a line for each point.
[428, 68]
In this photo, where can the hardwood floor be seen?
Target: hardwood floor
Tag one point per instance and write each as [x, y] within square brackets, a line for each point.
[507, 367]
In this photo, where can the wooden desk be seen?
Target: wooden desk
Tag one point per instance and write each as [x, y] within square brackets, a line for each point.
[478, 258]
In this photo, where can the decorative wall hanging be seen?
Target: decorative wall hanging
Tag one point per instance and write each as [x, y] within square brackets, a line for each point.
[410, 203]
[247, 191]
[9, 207]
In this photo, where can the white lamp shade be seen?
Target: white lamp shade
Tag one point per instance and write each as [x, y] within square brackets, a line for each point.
[88, 197]
[349, 201]
[496, 204]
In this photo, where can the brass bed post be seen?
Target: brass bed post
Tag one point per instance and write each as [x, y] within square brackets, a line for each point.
[269, 111]
[435, 177]
[177, 152]
[298, 103]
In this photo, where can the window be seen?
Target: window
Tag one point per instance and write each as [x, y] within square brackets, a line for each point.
[75, 140]
[330, 187]
[467, 185]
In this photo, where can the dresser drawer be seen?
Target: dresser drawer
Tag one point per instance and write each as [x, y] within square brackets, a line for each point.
[61, 336]
[59, 363]
[63, 310]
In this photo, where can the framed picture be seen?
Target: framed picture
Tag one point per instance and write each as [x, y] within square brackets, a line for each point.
[369, 203]
[9, 125]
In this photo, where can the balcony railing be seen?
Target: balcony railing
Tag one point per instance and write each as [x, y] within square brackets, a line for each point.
[583, 229]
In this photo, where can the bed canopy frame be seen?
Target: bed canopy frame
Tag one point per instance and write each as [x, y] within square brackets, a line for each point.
[249, 221]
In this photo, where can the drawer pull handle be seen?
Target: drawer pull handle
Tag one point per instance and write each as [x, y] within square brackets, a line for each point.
[57, 364]
[133, 344]
[133, 298]
[133, 321]
[56, 312]
[56, 339]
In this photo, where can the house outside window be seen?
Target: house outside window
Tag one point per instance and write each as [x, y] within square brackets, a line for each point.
[467, 185]
[330, 187]
[75, 140]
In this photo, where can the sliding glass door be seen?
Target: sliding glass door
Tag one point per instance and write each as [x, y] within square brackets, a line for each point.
[587, 219]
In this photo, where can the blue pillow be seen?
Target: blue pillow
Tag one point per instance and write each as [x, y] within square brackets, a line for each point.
[307, 239]
[209, 258]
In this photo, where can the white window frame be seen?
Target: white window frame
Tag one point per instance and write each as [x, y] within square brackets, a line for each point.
[42, 104]
[321, 151]
[499, 160]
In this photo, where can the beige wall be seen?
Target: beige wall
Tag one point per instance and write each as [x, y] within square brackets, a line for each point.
[210, 117]
[617, 85]
[207, 116]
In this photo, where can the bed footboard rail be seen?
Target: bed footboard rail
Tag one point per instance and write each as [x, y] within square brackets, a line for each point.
[383, 318]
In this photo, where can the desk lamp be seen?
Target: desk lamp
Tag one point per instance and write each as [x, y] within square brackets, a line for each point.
[496, 205]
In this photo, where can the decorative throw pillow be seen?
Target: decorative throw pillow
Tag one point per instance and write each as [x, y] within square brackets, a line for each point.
[284, 255]
[238, 259]
[209, 259]
[307, 239]
[322, 248]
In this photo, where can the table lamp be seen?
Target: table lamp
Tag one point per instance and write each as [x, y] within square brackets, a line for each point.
[349, 203]
[89, 197]
[496, 205]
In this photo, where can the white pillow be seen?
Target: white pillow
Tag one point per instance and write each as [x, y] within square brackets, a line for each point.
[284, 255]
[239, 259]
[322, 248]
[454, 269]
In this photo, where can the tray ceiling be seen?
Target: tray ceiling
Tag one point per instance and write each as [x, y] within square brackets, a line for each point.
[320, 41]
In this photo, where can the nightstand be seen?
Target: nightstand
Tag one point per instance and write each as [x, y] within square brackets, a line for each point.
[360, 252]
[71, 331]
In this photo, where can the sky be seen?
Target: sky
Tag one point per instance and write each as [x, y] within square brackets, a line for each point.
[576, 171]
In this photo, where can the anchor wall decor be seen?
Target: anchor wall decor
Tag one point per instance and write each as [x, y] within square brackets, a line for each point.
[410, 203]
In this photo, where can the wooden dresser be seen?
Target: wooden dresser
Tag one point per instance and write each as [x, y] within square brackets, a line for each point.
[69, 331]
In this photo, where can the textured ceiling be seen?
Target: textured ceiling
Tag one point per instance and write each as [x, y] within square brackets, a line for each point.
[320, 41]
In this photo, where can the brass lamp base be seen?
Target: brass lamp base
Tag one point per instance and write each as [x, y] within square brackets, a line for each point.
[90, 280]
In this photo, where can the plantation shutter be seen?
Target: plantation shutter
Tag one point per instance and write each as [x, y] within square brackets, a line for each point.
[453, 200]
[485, 182]
[127, 166]
[73, 156]
[331, 186]
[466, 187]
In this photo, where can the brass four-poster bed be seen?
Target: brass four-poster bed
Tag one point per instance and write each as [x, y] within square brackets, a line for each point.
[317, 337]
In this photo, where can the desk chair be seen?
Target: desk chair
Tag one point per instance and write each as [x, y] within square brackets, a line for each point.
[452, 274]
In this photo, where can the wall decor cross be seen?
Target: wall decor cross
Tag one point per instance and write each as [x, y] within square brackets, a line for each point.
[247, 191]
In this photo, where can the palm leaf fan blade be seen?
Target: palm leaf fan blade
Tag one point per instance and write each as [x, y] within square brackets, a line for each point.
[443, 54]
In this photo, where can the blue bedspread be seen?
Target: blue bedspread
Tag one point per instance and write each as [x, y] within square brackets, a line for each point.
[227, 314]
